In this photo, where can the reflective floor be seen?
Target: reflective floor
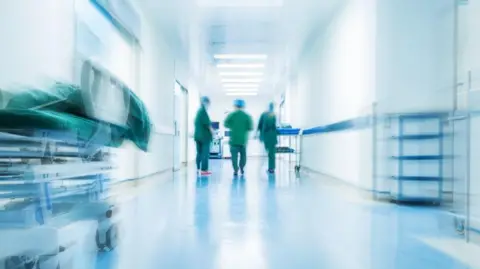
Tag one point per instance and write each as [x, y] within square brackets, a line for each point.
[273, 222]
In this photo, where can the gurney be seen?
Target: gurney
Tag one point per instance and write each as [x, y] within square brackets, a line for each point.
[45, 194]
[54, 167]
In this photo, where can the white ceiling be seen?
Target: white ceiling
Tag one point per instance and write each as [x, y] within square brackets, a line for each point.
[207, 27]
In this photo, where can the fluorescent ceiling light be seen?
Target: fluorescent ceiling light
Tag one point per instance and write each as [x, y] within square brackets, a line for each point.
[241, 93]
[239, 80]
[240, 56]
[241, 90]
[241, 85]
[239, 3]
[247, 66]
[241, 74]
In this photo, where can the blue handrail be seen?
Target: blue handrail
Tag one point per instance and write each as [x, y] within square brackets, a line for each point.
[367, 121]
[356, 123]
[288, 131]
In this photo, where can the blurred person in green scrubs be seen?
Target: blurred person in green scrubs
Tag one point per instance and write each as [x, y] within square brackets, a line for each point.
[267, 129]
[203, 136]
[240, 124]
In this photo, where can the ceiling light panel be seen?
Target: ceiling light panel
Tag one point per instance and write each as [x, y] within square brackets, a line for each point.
[241, 74]
[241, 85]
[244, 66]
[241, 90]
[239, 80]
[240, 56]
[241, 93]
[240, 3]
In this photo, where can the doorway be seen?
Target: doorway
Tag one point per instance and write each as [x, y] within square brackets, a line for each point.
[467, 125]
[180, 139]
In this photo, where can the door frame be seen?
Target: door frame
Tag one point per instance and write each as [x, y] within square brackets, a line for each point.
[183, 127]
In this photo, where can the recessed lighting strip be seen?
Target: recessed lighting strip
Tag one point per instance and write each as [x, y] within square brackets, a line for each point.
[241, 90]
[239, 80]
[241, 93]
[241, 85]
[242, 66]
[241, 74]
[240, 56]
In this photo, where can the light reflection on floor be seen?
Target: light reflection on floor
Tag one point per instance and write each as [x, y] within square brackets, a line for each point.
[276, 222]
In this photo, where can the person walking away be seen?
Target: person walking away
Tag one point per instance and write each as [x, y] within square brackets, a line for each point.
[267, 128]
[203, 136]
[240, 124]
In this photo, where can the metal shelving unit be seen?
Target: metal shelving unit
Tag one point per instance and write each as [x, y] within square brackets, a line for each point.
[419, 176]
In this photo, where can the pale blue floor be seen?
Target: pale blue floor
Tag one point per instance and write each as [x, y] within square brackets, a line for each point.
[280, 222]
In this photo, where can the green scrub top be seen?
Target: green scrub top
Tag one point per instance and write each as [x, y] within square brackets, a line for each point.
[202, 126]
[239, 123]
[267, 126]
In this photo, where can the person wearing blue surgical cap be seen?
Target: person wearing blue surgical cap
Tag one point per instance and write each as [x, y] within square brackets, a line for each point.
[203, 136]
[267, 129]
[240, 124]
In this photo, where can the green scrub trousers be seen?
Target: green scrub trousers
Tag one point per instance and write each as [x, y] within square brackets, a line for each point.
[203, 155]
[235, 151]
[271, 150]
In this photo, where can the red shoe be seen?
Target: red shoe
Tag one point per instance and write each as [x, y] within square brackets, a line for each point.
[205, 173]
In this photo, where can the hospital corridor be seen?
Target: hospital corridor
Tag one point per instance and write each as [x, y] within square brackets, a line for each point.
[239, 134]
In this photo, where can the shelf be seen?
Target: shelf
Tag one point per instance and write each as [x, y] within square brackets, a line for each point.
[419, 158]
[416, 200]
[422, 116]
[418, 178]
[418, 137]
[435, 135]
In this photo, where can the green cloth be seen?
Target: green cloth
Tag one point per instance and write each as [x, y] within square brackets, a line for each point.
[61, 98]
[235, 151]
[239, 123]
[63, 102]
[21, 120]
[138, 122]
[267, 126]
[203, 126]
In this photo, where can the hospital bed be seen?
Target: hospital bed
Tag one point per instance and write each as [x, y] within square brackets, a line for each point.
[55, 170]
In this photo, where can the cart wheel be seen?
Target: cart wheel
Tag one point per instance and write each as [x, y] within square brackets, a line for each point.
[21, 262]
[101, 246]
[112, 237]
[109, 213]
[111, 240]
[459, 225]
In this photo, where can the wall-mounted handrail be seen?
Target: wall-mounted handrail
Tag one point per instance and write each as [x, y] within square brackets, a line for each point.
[366, 121]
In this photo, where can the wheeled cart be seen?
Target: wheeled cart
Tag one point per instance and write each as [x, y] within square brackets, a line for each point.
[290, 142]
[50, 189]
[216, 148]
[55, 170]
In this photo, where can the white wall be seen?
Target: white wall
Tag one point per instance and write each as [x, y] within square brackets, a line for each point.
[469, 98]
[415, 73]
[37, 41]
[193, 105]
[157, 84]
[415, 55]
[41, 45]
[337, 82]
[398, 53]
